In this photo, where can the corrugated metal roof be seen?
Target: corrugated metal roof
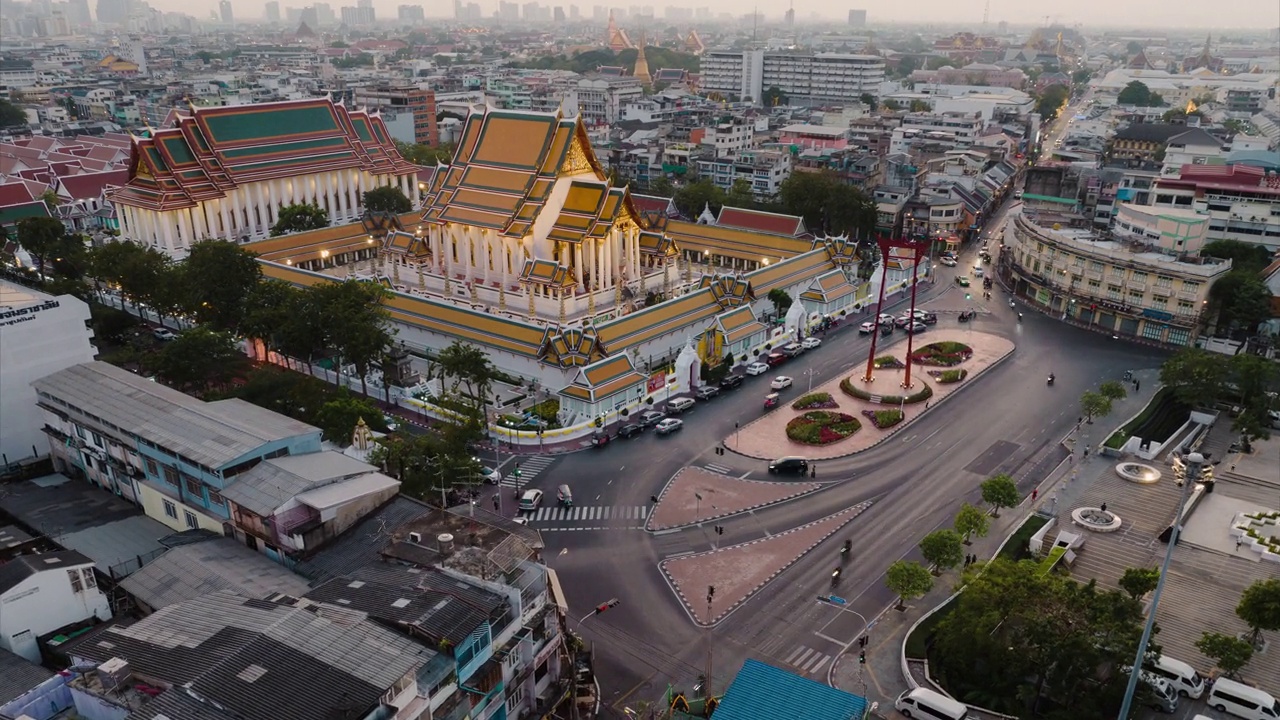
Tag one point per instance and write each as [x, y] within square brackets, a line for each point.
[18, 676]
[178, 704]
[763, 691]
[213, 434]
[191, 571]
[362, 544]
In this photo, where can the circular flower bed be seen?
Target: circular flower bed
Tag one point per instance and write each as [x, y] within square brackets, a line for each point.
[889, 362]
[946, 377]
[819, 427]
[945, 353]
[851, 388]
[815, 401]
[884, 418]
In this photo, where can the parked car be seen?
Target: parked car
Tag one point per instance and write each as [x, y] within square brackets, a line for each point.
[757, 368]
[530, 500]
[730, 382]
[789, 465]
[600, 438]
[916, 327]
[706, 392]
[810, 342]
[885, 318]
[782, 382]
[668, 426]
[902, 320]
[651, 418]
[792, 349]
[163, 334]
[867, 327]
[949, 262]
[630, 431]
[680, 404]
[774, 359]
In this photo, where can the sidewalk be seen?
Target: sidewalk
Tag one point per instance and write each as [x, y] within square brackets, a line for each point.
[881, 679]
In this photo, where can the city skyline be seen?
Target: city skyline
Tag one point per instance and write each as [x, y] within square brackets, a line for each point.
[1240, 14]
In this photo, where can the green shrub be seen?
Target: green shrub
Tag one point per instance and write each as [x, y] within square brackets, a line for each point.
[888, 361]
[814, 401]
[924, 393]
[819, 427]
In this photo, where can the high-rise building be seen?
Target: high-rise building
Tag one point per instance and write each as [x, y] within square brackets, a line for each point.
[789, 19]
[225, 13]
[324, 14]
[358, 16]
[804, 78]
[422, 103]
[858, 18]
[113, 12]
[77, 12]
[558, 14]
[410, 13]
[573, 12]
[508, 11]
[599, 13]
[272, 11]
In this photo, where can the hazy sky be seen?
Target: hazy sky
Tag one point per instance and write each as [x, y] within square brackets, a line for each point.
[1198, 14]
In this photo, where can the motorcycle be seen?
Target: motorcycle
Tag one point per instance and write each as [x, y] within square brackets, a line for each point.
[965, 316]
[1050, 380]
[1019, 317]
[835, 576]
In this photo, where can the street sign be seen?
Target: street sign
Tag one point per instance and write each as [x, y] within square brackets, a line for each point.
[837, 600]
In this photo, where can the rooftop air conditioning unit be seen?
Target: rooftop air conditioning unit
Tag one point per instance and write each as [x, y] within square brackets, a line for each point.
[415, 538]
[114, 673]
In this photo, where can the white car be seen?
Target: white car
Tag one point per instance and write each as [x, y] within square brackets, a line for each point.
[757, 368]
[886, 319]
[163, 334]
[668, 426]
[810, 343]
[782, 382]
[977, 272]
[491, 476]
[949, 262]
[530, 500]
[679, 405]
[868, 327]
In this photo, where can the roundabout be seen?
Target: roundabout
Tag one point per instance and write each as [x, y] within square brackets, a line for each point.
[850, 414]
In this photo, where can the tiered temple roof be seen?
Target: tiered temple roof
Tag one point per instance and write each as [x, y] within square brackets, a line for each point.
[207, 152]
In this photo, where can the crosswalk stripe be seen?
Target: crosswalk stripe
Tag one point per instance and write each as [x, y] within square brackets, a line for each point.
[587, 513]
[793, 654]
[718, 468]
[800, 660]
[822, 660]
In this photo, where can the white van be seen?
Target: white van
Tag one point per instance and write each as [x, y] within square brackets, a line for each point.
[926, 704]
[1242, 701]
[1180, 675]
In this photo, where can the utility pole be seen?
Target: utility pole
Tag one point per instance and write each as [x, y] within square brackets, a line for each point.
[1194, 463]
[706, 684]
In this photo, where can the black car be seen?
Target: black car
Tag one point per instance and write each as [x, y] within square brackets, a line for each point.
[600, 438]
[629, 431]
[789, 466]
[730, 382]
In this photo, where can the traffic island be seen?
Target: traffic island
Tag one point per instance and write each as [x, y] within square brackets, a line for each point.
[694, 495]
[738, 572]
[944, 362]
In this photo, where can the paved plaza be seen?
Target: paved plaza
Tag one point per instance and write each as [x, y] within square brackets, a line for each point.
[738, 571]
[766, 438]
[695, 495]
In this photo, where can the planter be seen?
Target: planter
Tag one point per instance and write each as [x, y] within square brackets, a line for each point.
[883, 419]
[889, 362]
[924, 393]
[815, 401]
[944, 354]
[821, 427]
[946, 377]
[1259, 532]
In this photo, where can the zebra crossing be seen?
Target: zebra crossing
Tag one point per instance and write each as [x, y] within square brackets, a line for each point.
[530, 467]
[713, 467]
[585, 513]
[807, 660]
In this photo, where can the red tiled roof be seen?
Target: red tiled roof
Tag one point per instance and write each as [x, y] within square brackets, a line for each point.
[771, 223]
[425, 174]
[90, 185]
[651, 203]
[14, 193]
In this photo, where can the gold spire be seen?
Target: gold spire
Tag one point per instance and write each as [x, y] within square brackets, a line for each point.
[642, 65]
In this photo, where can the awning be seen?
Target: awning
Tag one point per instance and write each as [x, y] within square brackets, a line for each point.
[557, 593]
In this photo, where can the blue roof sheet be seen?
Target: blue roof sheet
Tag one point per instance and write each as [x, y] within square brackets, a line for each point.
[763, 691]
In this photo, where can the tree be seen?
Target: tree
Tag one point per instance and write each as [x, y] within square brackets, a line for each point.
[740, 194]
[1255, 379]
[387, 198]
[908, 580]
[1139, 581]
[1113, 390]
[781, 301]
[1080, 77]
[10, 114]
[661, 187]
[1260, 608]
[299, 218]
[41, 237]
[268, 309]
[355, 322]
[199, 359]
[469, 376]
[1138, 94]
[1000, 491]
[773, 97]
[942, 548]
[971, 521]
[1229, 653]
[892, 105]
[827, 204]
[420, 154]
[1094, 404]
[1133, 47]
[139, 272]
[1243, 255]
[691, 199]
[221, 276]
[338, 416]
[1051, 101]
[869, 100]
[1195, 376]
[1242, 300]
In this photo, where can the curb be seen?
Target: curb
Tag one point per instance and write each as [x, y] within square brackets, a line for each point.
[856, 510]
[649, 526]
[961, 387]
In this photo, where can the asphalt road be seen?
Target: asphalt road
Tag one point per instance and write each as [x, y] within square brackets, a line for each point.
[1007, 420]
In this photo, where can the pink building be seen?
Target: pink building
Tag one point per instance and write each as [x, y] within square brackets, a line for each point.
[814, 137]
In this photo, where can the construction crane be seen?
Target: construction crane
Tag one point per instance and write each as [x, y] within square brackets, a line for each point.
[986, 13]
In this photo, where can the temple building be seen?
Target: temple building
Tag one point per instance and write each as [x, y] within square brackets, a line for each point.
[225, 172]
[524, 249]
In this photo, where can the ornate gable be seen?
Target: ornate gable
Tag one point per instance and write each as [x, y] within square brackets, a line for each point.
[571, 347]
[729, 291]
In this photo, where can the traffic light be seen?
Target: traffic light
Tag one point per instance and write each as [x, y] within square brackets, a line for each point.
[862, 657]
[516, 472]
[711, 591]
[967, 296]
[606, 605]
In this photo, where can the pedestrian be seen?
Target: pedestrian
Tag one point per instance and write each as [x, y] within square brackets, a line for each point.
[813, 471]
[496, 501]
[1104, 507]
[1086, 453]
[1035, 492]
[1137, 386]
